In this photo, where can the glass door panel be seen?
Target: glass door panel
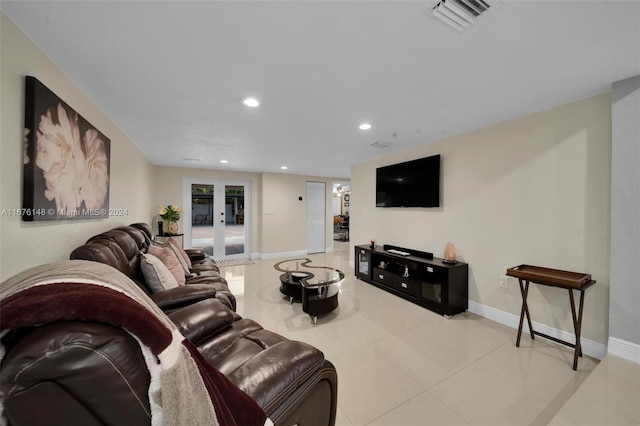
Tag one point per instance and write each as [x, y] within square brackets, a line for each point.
[202, 225]
[234, 228]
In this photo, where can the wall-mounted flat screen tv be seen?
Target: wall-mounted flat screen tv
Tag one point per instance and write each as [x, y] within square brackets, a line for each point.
[413, 183]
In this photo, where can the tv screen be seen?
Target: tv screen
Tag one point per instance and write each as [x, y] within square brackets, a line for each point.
[414, 183]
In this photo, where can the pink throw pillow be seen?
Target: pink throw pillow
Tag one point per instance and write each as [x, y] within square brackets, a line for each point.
[168, 257]
[180, 250]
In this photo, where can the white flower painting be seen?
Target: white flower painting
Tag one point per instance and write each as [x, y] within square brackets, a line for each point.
[66, 160]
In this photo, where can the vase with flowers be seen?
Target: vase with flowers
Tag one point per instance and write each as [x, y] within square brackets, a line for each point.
[171, 214]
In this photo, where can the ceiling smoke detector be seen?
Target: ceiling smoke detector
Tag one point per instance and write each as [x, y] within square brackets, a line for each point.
[381, 144]
[459, 15]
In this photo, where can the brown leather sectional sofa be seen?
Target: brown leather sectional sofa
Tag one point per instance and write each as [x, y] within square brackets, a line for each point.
[121, 248]
[291, 381]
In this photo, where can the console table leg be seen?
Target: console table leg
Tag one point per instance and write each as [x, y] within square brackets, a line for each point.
[315, 321]
[578, 351]
[524, 289]
[575, 319]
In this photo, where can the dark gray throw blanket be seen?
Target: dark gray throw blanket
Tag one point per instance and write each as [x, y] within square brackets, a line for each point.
[185, 388]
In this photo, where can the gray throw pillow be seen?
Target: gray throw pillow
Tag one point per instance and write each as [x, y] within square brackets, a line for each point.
[157, 276]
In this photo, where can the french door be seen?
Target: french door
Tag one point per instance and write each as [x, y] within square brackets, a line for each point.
[217, 217]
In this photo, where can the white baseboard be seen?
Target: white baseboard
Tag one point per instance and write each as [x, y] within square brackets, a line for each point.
[627, 350]
[589, 347]
[296, 253]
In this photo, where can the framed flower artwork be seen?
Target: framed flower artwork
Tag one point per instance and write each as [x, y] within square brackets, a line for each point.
[66, 160]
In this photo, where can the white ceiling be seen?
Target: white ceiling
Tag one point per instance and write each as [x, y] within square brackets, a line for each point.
[172, 74]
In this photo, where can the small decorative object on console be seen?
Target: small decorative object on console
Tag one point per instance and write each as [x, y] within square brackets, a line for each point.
[171, 214]
[450, 254]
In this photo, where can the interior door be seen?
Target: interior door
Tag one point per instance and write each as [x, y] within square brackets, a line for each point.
[219, 212]
[316, 217]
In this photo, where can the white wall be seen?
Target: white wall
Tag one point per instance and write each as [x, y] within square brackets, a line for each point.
[26, 244]
[534, 190]
[625, 215]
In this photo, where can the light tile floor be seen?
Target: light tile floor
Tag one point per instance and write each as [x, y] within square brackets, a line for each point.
[400, 364]
[609, 396]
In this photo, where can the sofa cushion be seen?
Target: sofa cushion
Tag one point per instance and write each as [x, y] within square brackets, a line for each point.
[137, 235]
[156, 274]
[83, 370]
[184, 295]
[184, 260]
[178, 249]
[125, 248]
[170, 260]
[201, 320]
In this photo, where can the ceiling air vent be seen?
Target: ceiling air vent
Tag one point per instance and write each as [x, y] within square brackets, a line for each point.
[459, 15]
[381, 144]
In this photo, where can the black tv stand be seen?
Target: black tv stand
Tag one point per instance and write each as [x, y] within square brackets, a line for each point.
[417, 276]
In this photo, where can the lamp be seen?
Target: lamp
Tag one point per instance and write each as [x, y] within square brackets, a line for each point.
[450, 254]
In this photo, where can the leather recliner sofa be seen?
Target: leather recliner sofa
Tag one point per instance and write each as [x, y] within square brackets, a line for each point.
[122, 247]
[291, 381]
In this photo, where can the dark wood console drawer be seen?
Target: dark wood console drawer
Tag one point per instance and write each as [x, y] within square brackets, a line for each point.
[432, 273]
[383, 277]
[407, 285]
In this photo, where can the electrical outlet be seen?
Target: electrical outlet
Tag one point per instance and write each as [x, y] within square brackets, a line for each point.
[504, 281]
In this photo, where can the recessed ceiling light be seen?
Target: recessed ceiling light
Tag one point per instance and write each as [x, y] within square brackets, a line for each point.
[364, 126]
[284, 167]
[224, 161]
[251, 102]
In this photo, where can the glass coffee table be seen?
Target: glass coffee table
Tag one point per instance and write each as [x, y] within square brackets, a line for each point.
[317, 287]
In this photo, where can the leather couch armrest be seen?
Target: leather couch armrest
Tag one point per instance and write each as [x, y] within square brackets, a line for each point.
[178, 297]
[205, 279]
[195, 253]
[205, 273]
[201, 320]
[270, 382]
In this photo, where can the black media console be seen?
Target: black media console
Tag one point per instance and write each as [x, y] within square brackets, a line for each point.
[416, 276]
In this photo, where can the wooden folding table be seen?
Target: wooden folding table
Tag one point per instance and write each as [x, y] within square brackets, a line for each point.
[552, 278]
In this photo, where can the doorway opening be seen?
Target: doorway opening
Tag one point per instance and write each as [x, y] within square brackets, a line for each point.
[341, 205]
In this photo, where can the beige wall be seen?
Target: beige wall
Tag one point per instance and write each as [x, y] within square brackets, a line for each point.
[168, 190]
[278, 218]
[533, 190]
[284, 217]
[25, 244]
